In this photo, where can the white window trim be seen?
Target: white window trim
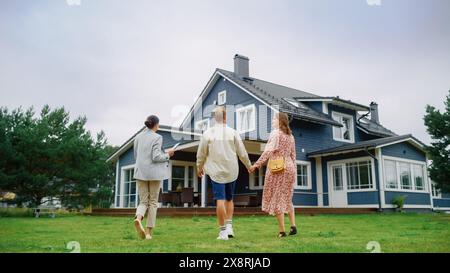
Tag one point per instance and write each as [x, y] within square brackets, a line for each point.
[184, 164]
[410, 161]
[325, 107]
[439, 195]
[334, 114]
[252, 127]
[309, 177]
[117, 187]
[251, 181]
[352, 160]
[222, 94]
[202, 121]
[123, 169]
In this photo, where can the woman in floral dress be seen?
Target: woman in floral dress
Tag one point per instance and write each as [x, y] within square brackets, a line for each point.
[279, 187]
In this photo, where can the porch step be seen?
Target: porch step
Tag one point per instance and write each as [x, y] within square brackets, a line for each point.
[210, 211]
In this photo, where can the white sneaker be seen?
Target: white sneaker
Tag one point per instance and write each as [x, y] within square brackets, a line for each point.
[223, 235]
[230, 231]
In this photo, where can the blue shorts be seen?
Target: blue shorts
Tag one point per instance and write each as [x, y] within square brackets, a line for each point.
[223, 191]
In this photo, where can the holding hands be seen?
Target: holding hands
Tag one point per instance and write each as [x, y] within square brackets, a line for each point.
[252, 169]
[201, 172]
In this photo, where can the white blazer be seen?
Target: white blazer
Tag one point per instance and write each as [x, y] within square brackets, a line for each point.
[152, 163]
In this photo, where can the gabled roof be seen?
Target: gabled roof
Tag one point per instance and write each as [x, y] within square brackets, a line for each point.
[273, 95]
[370, 144]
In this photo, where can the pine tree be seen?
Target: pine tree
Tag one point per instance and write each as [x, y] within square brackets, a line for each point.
[438, 126]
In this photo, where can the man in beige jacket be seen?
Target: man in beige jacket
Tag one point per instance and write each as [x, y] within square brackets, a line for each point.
[217, 156]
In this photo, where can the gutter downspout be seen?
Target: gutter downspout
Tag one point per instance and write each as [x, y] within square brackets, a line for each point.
[380, 208]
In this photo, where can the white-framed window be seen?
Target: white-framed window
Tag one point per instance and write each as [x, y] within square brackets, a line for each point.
[418, 177]
[182, 175]
[303, 179]
[222, 97]
[202, 125]
[246, 119]
[404, 174]
[359, 175]
[390, 173]
[436, 193]
[338, 178]
[129, 190]
[346, 133]
[257, 179]
[353, 175]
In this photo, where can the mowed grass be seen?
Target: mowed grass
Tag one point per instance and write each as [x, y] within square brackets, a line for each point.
[321, 233]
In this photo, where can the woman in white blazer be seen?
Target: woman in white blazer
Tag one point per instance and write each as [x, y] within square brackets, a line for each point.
[151, 167]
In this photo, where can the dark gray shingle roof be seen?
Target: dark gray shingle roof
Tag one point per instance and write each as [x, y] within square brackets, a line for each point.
[273, 94]
[374, 128]
[364, 144]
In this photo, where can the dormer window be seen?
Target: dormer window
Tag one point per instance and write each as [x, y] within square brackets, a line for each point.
[293, 102]
[346, 132]
[202, 125]
[222, 97]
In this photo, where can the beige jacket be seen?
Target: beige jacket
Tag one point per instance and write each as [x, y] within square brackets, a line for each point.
[218, 152]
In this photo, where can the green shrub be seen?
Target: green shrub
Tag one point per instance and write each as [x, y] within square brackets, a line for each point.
[27, 212]
[399, 201]
[16, 212]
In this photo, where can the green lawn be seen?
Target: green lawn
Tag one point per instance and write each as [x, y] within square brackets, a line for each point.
[320, 233]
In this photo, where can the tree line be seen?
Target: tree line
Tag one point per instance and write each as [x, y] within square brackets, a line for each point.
[48, 155]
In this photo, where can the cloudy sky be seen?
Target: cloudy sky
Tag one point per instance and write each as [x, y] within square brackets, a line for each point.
[118, 61]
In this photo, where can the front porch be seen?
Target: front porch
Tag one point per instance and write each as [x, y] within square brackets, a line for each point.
[184, 189]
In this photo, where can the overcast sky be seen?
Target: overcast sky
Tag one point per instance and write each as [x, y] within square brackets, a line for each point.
[119, 61]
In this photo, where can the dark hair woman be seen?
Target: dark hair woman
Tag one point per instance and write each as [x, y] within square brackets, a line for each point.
[151, 122]
[279, 186]
[150, 169]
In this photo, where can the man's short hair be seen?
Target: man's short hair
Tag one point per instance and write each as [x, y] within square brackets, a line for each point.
[220, 113]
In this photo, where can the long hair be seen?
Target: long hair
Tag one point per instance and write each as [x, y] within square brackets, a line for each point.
[283, 121]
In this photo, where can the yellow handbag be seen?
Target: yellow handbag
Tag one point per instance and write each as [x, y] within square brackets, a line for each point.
[277, 165]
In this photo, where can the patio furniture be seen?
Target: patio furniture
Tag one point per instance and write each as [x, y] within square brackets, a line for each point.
[253, 199]
[176, 198]
[168, 198]
[44, 210]
[187, 196]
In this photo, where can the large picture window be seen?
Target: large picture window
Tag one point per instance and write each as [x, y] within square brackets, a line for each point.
[129, 189]
[359, 175]
[182, 175]
[354, 175]
[246, 119]
[404, 175]
[390, 170]
[346, 132]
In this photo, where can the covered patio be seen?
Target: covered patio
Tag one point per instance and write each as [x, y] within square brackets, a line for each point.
[185, 189]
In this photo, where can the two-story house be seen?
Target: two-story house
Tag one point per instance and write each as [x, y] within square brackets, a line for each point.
[345, 157]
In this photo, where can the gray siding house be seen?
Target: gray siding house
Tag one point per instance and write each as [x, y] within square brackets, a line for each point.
[345, 156]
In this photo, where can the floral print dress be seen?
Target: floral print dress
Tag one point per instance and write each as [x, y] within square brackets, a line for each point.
[279, 187]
